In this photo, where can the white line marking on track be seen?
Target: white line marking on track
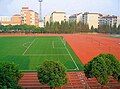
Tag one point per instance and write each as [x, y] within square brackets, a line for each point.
[69, 54]
[29, 47]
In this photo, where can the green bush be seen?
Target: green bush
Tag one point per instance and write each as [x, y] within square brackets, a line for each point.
[52, 74]
[9, 76]
[103, 66]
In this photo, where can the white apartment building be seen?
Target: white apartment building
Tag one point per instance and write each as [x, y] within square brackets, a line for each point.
[108, 20]
[76, 18]
[46, 19]
[5, 20]
[118, 21]
[92, 19]
[58, 16]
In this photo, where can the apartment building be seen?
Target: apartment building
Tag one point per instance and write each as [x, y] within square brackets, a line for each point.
[108, 20]
[92, 19]
[58, 16]
[16, 19]
[46, 19]
[29, 17]
[118, 21]
[76, 18]
[5, 20]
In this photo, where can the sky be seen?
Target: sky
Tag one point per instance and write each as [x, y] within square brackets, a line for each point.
[11, 7]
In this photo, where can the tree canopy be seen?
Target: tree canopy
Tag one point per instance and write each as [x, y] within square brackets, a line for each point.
[9, 76]
[52, 73]
[21, 28]
[102, 67]
[63, 27]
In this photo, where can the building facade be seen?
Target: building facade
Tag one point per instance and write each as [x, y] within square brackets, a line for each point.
[29, 17]
[46, 19]
[5, 20]
[108, 20]
[92, 19]
[58, 16]
[118, 21]
[16, 20]
[76, 18]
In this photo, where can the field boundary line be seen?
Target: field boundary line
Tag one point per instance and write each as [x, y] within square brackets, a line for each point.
[29, 47]
[69, 54]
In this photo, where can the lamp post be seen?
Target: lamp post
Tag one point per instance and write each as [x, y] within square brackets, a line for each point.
[40, 12]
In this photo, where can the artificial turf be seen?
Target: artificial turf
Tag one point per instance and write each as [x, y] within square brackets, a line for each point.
[29, 52]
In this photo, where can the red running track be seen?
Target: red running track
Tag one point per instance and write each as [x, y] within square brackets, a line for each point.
[87, 46]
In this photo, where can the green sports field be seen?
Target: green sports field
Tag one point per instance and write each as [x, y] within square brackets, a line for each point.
[29, 52]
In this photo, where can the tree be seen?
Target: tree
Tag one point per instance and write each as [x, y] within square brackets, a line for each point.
[103, 66]
[47, 27]
[92, 28]
[105, 29]
[118, 29]
[9, 76]
[52, 73]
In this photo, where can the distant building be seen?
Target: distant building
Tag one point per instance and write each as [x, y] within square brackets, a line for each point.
[108, 20]
[76, 18]
[92, 19]
[41, 24]
[16, 20]
[58, 16]
[5, 20]
[29, 17]
[46, 19]
[118, 21]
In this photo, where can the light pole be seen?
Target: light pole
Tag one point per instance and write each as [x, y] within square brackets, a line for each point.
[40, 13]
[118, 7]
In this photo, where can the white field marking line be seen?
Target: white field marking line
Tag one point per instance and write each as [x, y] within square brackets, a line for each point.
[53, 44]
[46, 54]
[29, 47]
[69, 54]
[72, 69]
[25, 44]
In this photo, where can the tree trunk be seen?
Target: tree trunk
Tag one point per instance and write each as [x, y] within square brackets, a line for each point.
[52, 87]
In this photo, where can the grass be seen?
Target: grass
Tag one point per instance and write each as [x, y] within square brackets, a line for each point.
[29, 52]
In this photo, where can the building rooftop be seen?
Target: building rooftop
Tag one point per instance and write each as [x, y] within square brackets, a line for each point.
[25, 7]
[91, 13]
[17, 15]
[108, 16]
[75, 15]
[59, 12]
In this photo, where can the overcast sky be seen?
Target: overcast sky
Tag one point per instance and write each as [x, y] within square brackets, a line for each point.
[10, 7]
